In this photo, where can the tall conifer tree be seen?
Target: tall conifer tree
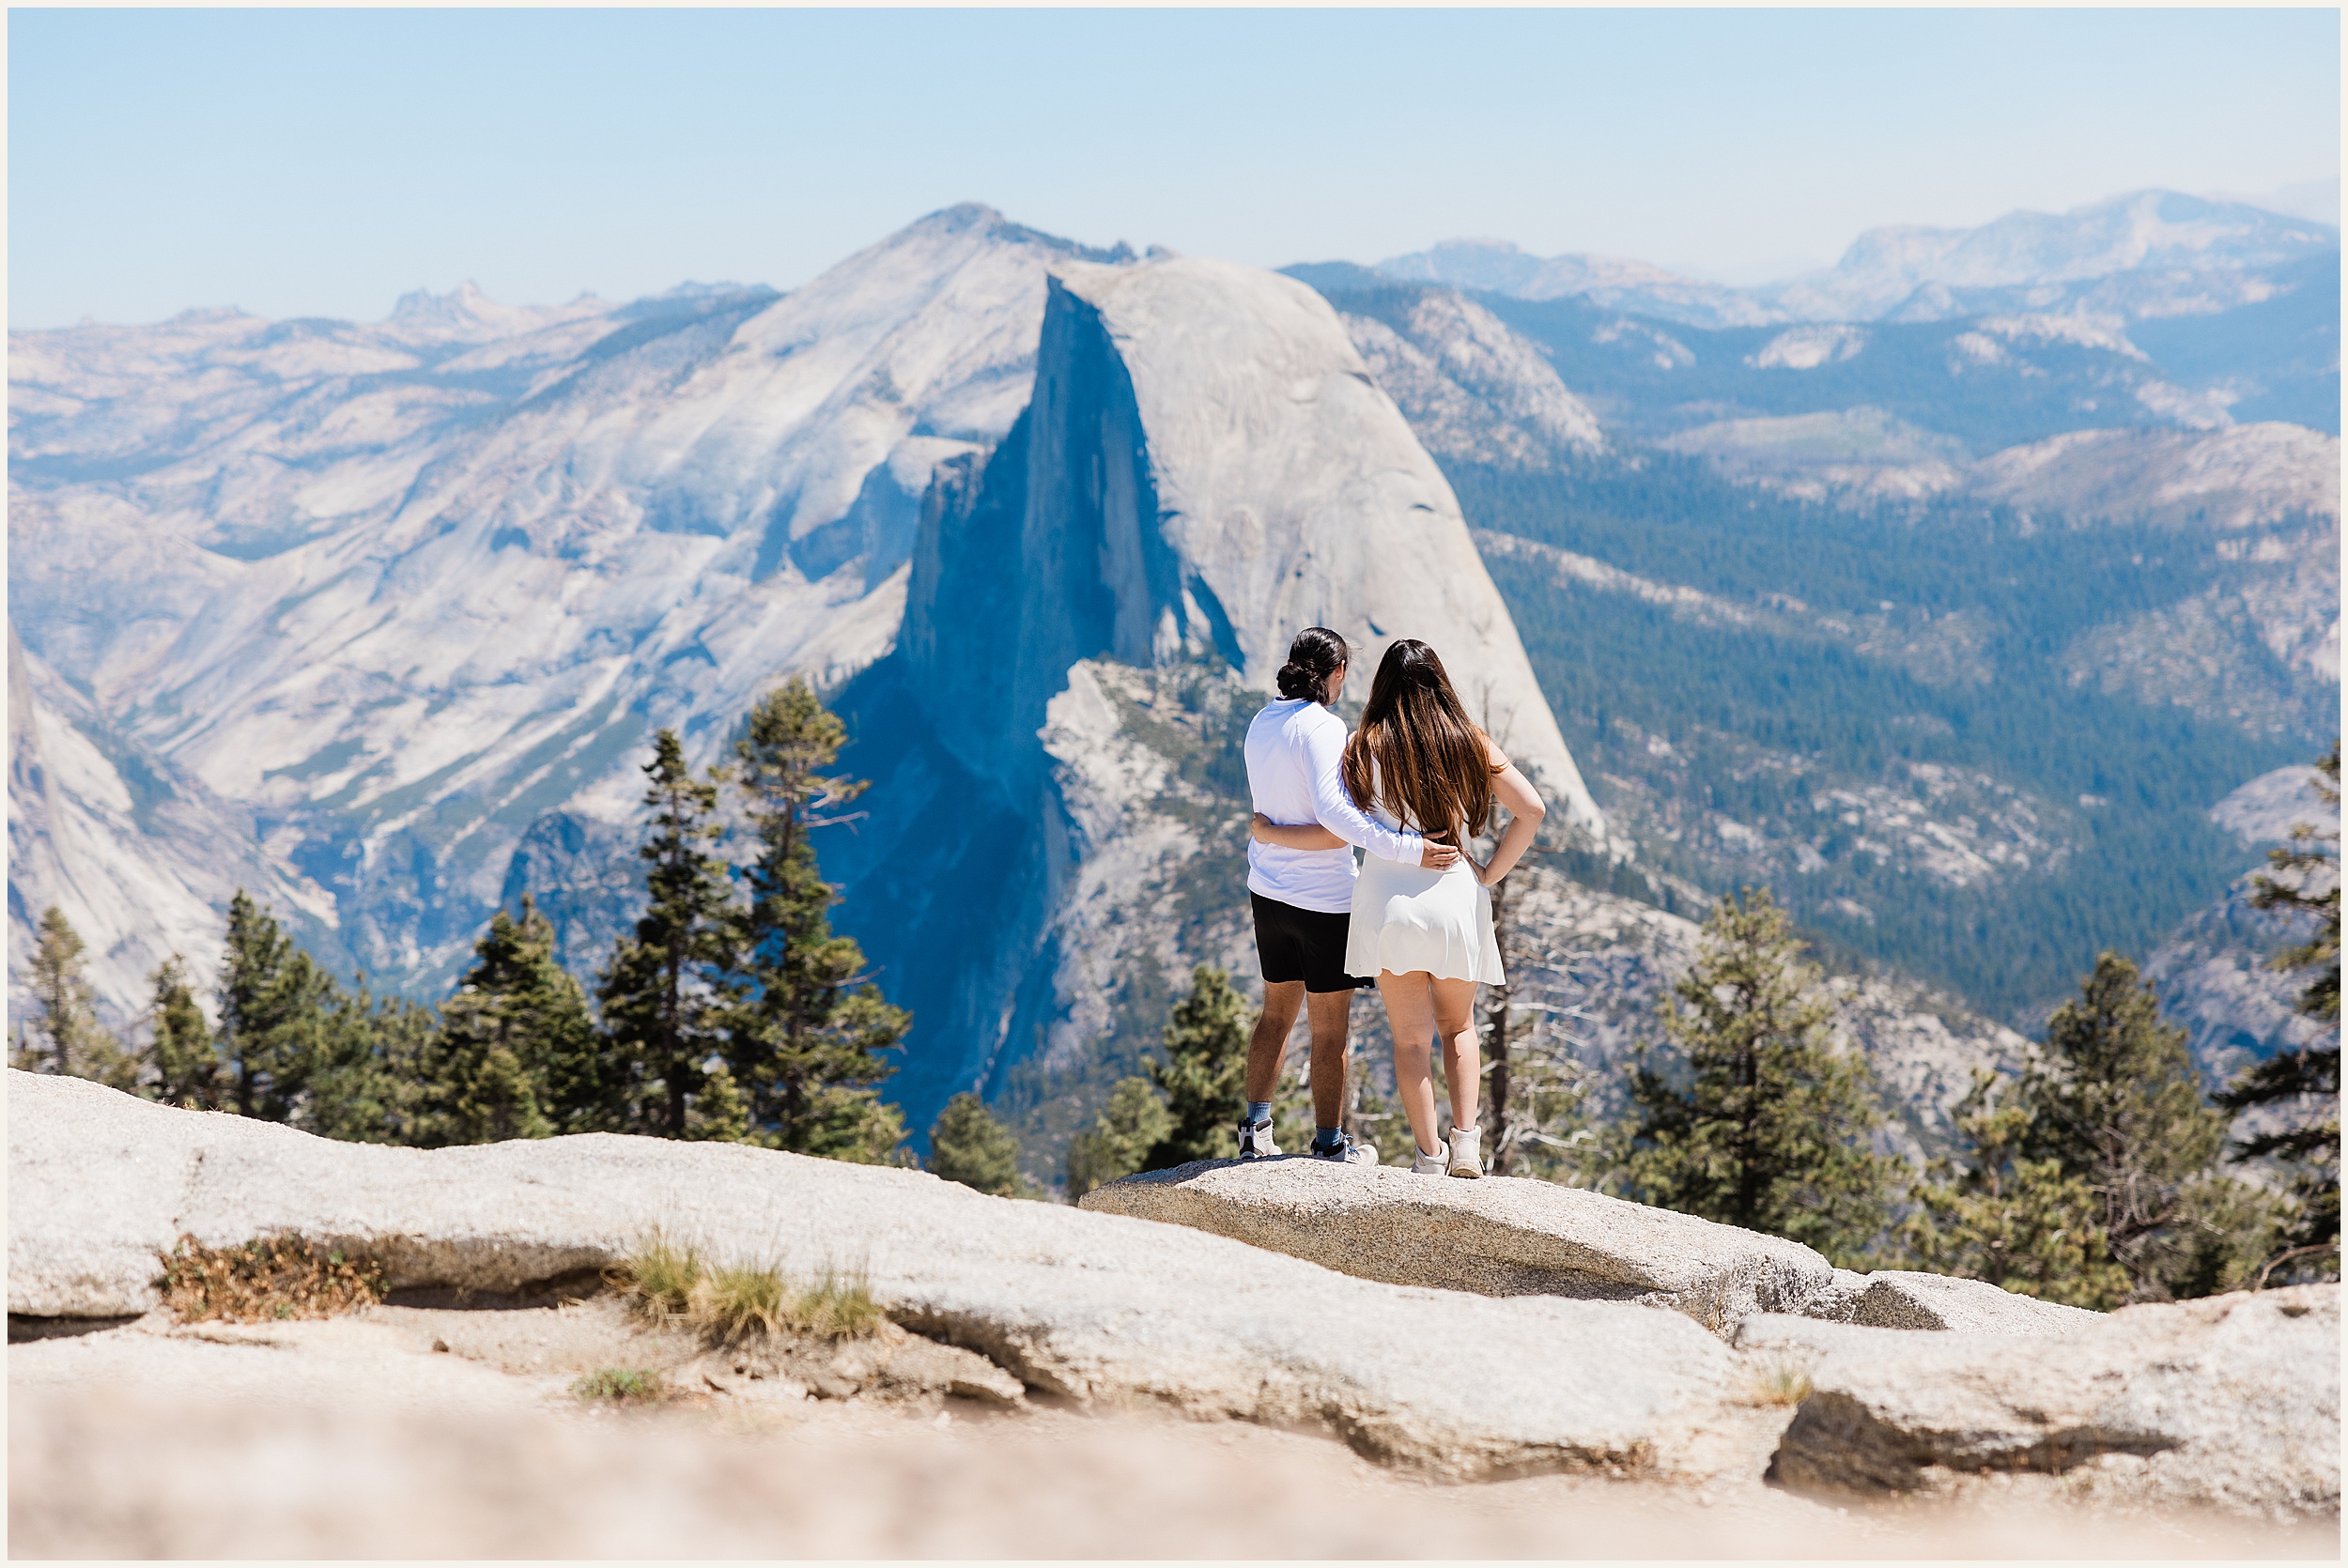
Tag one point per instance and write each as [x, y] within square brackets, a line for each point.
[370, 1077]
[517, 1056]
[2022, 1225]
[662, 995]
[1772, 1126]
[2304, 882]
[1129, 1126]
[805, 1040]
[272, 1012]
[187, 1063]
[1203, 1072]
[2114, 1102]
[64, 1035]
[969, 1145]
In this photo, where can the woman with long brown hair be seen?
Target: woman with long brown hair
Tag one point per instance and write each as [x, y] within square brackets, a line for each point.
[1418, 764]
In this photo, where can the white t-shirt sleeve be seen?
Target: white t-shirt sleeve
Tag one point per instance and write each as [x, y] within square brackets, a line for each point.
[1324, 755]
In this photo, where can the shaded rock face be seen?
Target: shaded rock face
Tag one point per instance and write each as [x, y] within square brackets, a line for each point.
[1903, 1298]
[1094, 1309]
[1506, 1235]
[2229, 1403]
[1499, 1237]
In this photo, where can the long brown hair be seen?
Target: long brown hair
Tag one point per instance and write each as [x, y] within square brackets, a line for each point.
[1433, 765]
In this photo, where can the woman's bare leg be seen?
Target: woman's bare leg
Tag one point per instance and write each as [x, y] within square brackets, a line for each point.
[1455, 1022]
[1411, 1019]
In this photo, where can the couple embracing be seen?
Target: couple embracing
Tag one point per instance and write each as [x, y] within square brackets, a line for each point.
[1410, 787]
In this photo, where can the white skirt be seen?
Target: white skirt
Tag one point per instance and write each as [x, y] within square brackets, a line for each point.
[1407, 918]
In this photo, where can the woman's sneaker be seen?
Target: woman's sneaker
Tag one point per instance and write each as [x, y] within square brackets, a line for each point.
[1427, 1164]
[1254, 1141]
[1467, 1160]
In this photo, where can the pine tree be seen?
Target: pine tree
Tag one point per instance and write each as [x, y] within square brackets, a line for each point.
[2114, 1103]
[65, 1036]
[186, 1063]
[969, 1145]
[272, 1003]
[1770, 1128]
[662, 993]
[806, 1037]
[369, 1079]
[2021, 1224]
[1128, 1127]
[1204, 1074]
[717, 1114]
[2304, 882]
[517, 1057]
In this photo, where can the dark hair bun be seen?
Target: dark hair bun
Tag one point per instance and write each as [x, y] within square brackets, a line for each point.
[1313, 657]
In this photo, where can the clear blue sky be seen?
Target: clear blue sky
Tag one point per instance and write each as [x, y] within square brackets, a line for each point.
[322, 162]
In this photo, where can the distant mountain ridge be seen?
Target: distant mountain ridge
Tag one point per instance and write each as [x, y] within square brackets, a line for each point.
[2147, 253]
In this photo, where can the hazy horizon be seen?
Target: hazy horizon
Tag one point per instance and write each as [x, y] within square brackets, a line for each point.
[326, 162]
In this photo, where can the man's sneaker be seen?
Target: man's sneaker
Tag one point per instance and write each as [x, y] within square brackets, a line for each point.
[1427, 1164]
[1348, 1152]
[1467, 1160]
[1254, 1141]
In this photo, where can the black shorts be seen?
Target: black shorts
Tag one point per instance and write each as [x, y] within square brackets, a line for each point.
[1307, 945]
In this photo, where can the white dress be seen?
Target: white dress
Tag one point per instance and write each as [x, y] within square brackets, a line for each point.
[1407, 918]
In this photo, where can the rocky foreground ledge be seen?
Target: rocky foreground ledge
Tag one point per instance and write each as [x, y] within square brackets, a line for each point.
[1463, 1330]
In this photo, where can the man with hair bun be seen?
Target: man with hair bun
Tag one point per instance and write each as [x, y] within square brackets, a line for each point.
[1303, 898]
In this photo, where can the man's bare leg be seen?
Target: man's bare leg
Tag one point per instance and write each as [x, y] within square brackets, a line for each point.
[1281, 1002]
[1329, 1014]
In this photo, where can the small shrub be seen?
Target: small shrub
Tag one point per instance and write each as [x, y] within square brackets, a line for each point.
[622, 1385]
[1778, 1382]
[270, 1279]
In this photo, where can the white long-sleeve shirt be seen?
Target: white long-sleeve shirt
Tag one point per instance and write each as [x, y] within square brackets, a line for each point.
[1294, 750]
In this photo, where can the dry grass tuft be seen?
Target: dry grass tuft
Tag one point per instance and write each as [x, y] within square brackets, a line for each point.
[668, 1282]
[839, 1307]
[266, 1280]
[661, 1279]
[1780, 1381]
[737, 1303]
[622, 1385]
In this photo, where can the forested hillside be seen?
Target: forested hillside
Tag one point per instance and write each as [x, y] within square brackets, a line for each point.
[1886, 636]
[1892, 690]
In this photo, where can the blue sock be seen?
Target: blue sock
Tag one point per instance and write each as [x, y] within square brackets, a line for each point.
[1258, 1111]
[1327, 1138]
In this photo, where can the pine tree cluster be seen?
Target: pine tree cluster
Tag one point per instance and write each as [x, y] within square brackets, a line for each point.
[732, 1011]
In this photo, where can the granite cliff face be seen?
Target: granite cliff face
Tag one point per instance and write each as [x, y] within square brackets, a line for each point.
[1206, 466]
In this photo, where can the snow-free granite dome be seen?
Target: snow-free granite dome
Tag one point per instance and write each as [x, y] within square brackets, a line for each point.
[1208, 467]
[1290, 483]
